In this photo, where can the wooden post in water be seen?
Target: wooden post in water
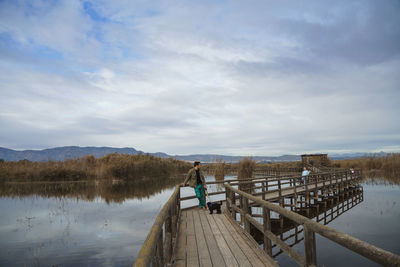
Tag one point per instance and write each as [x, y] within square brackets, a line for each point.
[280, 202]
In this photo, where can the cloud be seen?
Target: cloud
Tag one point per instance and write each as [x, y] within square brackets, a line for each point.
[265, 78]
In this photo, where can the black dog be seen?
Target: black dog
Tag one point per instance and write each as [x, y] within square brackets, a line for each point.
[214, 206]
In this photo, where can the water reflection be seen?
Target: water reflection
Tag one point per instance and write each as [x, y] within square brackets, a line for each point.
[388, 180]
[78, 223]
[109, 190]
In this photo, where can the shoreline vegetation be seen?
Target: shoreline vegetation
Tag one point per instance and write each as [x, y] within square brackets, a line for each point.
[372, 166]
[122, 167]
[388, 166]
[114, 177]
[144, 167]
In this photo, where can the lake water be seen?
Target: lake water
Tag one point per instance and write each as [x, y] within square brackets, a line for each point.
[92, 225]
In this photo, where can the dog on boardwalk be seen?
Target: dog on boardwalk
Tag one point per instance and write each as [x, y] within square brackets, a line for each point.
[214, 206]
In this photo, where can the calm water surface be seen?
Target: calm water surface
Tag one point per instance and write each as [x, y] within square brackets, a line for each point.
[106, 226]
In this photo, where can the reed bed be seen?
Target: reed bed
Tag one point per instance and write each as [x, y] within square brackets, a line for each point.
[372, 166]
[246, 168]
[112, 166]
[219, 172]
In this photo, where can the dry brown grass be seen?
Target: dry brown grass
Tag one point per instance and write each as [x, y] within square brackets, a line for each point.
[388, 166]
[246, 168]
[113, 166]
[220, 171]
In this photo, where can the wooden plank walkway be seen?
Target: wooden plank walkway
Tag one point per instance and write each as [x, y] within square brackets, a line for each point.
[206, 239]
[289, 191]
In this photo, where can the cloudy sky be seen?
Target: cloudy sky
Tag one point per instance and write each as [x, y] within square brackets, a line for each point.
[182, 77]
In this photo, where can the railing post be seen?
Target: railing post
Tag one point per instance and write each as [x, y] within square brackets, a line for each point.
[245, 208]
[316, 189]
[175, 214]
[227, 196]
[158, 260]
[179, 199]
[263, 190]
[309, 246]
[233, 201]
[280, 193]
[267, 227]
[307, 196]
[168, 236]
[295, 193]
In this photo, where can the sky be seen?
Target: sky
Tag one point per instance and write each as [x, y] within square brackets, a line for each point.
[188, 77]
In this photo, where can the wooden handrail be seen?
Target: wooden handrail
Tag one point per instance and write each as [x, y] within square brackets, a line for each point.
[157, 249]
[310, 228]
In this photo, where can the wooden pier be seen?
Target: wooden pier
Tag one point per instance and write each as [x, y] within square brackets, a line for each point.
[215, 240]
[193, 237]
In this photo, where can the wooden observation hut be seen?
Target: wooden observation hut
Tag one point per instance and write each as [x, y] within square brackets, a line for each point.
[315, 160]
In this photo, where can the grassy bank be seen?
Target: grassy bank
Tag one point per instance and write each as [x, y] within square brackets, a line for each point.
[114, 166]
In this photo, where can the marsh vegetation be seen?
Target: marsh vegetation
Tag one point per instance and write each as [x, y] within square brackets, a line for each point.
[371, 166]
[132, 168]
[374, 166]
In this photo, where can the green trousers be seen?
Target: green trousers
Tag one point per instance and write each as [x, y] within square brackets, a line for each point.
[199, 189]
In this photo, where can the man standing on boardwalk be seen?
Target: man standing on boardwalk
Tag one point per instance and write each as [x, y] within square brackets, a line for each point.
[196, 179]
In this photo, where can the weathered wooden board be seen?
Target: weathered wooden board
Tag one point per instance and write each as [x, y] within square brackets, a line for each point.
[212, 240]
[192, 257]
[180, 255]
[202, 248]
[215, 252]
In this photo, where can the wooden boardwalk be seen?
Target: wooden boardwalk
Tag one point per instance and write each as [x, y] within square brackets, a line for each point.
[290, 191]
[193, 237]
[206, 239]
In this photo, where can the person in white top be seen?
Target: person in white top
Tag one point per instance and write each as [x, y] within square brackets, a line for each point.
[304, 175]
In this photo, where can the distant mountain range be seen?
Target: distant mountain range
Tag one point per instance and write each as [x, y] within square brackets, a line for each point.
[73, 152]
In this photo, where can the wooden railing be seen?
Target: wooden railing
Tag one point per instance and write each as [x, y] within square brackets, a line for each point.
[310, 228]
[271, 183]
[233, 182]
[324, 212]
[158, 246]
